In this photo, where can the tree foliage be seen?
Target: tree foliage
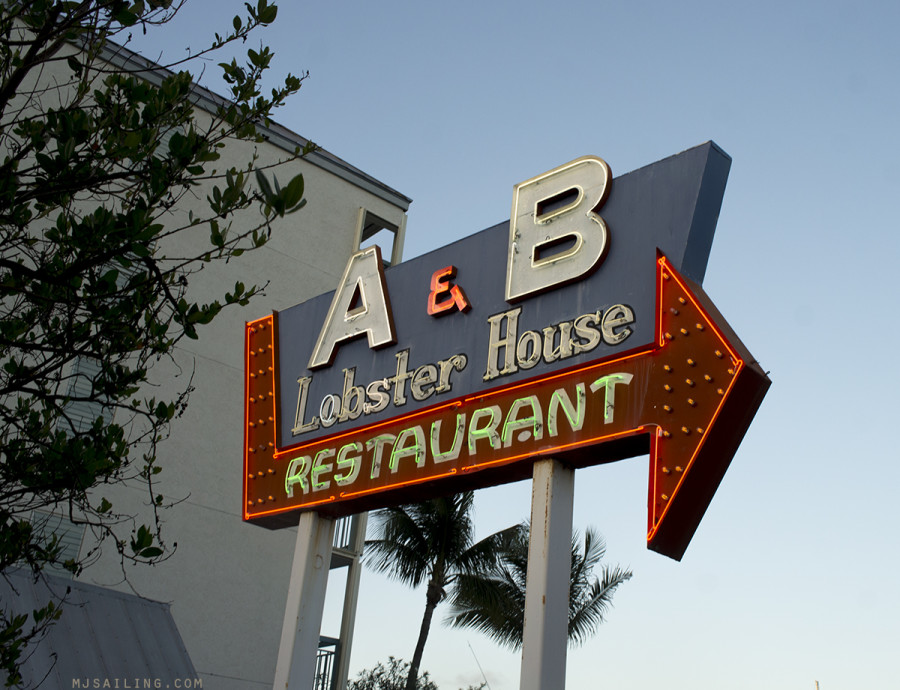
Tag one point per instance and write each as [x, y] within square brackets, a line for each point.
[389, 677]
[493, 601]
[393, 676]
[98, 158]
[432, 542]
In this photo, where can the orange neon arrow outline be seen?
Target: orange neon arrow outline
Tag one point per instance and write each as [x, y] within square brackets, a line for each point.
[708, 390]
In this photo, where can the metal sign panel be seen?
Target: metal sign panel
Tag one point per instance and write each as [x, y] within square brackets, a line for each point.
[445, 373]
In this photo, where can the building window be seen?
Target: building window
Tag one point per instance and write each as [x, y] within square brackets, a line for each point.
[374, 230]
[67, 532]
[85, 406]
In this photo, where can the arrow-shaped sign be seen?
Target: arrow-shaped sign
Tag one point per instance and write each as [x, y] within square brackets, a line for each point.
[691, 393]
[705, 390]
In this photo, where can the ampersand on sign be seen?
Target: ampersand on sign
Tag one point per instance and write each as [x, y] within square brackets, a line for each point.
[451, 296]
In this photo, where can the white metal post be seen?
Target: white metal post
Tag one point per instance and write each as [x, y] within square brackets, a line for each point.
[296, 666]
[351, 599]
[547, 584]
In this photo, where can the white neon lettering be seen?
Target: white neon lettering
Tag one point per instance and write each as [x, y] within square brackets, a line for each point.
[555, 233]
[360, 307]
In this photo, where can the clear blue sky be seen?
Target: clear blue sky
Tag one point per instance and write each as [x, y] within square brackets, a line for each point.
[793, 574]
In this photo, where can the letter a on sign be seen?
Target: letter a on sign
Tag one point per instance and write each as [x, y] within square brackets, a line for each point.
[360, 305]
[555, 234]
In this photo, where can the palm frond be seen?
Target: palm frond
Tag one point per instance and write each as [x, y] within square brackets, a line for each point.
[493, 601]
[588, 607]
[483, 556]
[400, 549]
[486, 580]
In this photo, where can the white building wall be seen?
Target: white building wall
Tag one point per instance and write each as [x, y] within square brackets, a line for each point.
[227, 581]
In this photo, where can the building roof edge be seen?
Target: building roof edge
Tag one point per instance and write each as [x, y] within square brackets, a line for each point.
[275, 133]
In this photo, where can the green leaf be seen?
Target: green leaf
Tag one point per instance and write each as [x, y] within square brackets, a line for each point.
[298, 207]
[216, 237]
[142, 540]
[75, 65]
[264, 186]
[266, 12]
[293, 193]
[164, 412]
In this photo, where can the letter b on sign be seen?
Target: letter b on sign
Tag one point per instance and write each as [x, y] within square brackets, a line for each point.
[555, 234]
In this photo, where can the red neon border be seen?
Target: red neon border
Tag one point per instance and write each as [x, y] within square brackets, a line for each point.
[666, 272]
[268, 322]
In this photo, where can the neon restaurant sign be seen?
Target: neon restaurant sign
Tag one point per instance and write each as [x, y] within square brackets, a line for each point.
[577, 331]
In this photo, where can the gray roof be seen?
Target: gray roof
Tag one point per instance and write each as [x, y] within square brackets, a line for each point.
[102, 634]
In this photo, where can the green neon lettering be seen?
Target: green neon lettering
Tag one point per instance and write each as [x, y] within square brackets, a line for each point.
[296, 474]
[609, 383]
[458, 436]
[355, 462]
[377, 445]
[531, 425]
[417, 449]
[319, 468]
[489, 431]
[574, 413]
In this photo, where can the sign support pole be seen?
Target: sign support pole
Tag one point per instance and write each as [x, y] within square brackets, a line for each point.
[547, 584]
[296, 666]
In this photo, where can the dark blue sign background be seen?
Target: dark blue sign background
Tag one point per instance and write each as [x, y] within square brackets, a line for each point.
[671, 205]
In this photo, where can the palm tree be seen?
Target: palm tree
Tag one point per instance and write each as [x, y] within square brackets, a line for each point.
[493, 601]
[433, 541]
